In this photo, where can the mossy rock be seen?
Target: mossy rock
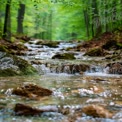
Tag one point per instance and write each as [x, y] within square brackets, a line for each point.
[49, 43]
[8, 72]
[13, 65]
[24, 66]
[3, 48]
[95, 52]
[68, 56]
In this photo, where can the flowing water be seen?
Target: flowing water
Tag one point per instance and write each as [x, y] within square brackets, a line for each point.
[71, 91]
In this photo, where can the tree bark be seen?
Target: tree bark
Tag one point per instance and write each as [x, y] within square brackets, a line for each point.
[95, 18]
[0, 25]
[114, 14]
[86, 22]
[21, 12]
[7, 22]
[50, 26]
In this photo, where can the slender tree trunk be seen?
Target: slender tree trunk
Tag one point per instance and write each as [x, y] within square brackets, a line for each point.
[106, 15]
[121, 12]
[44, 27]
[114, 14]
[21, 12]
[50, 28]
[7, 22]
[0, 25]
[96, 20]
[86, 18]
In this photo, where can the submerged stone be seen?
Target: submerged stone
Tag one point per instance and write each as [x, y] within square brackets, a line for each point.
[97, 111]
[31, 91]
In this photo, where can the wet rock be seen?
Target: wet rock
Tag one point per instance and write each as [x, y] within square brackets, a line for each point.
[68, 56]
[112, 44]
[25, 110]
[95, 52]
[25, 38]
[12, 65]
[97, 111]
[96, 89]
[53, 44]
[36, 62]
[31, 91]
[2, 105]
[114, 68]
[72, 112]
[72, 68]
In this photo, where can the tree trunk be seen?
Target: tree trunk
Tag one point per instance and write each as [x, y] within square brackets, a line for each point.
[86, 22]
[95, 18]
[106, 15]
[21, 12]
[7, 22]
[0, 25]
[50, 26]
[114, 14]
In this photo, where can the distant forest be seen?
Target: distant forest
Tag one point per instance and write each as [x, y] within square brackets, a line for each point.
[59, 19]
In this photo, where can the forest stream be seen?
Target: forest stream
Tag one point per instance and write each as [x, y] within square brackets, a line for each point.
[72, 90]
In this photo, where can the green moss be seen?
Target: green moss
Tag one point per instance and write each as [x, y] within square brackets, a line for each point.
[119, 45]
[64, 56]
[8, 72]
[24, 66]
[3, 48]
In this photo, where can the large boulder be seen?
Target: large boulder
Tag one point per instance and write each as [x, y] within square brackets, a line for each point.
[11, 65]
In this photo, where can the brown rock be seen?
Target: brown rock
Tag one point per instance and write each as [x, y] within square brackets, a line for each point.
[21, 109]
[115, 68]
[97, 111]
[26, 110]
[96, 52]
[31, 91]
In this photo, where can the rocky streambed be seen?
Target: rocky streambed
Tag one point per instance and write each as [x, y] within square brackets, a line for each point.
[69, 87]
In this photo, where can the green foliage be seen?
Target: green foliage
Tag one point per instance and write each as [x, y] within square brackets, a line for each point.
[65, 19]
